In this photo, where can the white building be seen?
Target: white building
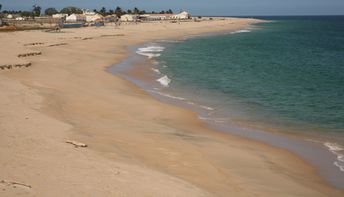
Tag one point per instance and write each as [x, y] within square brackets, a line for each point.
[93, 17]
[154, 17]
[20, 19]
[181, 16]
[129, 18]
[88, 12]
[59, 15]
[75, 18]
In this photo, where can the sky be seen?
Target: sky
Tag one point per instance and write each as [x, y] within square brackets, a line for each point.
[198, 7]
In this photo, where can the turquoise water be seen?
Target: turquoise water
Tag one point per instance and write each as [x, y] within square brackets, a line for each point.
[284, 76]
[287, 74]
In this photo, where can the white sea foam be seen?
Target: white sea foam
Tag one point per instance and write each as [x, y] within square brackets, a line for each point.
[333, 147]
[337, 150]
[340, 166]
[191, 103]
[164, 81]
[206, 107]
[168, 95]
[216, 120]
[156, 70]
[203, 118]
[173, 97]
[313, 140]
[155, 63]
[241, 31]
[149, 55]
[150, 51]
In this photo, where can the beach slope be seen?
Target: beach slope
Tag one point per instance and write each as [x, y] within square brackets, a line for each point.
[69, 128]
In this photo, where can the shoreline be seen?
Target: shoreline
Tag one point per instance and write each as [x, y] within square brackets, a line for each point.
[301, 145]
[138, 144]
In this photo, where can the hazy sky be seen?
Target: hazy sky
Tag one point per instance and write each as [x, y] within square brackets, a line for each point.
[199, 7]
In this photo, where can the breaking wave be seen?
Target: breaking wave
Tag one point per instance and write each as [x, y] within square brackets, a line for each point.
[339, 152]
[164, 81]
[241, 31]
[150, 51]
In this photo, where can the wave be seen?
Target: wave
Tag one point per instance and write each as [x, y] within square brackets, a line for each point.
[150, 51]
[203, 118]
[339, 152]
[167, 95]
[216, 120]
[155, 63]
[207, 108]
[241, 31]
[156, 70]
[164, 81]
[149, 55]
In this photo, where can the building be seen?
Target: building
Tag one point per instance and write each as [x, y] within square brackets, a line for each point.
[156, 17]
[88, 12]
[110, 18]
[76, 18]
[93, 17]
[181, 16]
[60, 15]
[129, 18]
[20, 18]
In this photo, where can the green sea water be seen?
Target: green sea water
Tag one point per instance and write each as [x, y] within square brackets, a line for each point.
[285, 74]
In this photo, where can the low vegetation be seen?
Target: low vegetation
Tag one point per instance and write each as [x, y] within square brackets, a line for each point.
[37, 11]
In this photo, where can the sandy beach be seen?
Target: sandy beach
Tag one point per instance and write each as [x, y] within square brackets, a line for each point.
[54, 90]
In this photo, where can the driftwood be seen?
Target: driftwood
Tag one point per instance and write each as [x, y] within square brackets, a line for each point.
[30, 54]
[77, 144]
[15, 183]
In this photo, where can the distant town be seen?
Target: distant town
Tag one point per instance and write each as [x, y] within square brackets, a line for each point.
[73, 17]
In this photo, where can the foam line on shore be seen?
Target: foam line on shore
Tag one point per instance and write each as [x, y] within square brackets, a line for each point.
[156, 70]
[166, 95]
[339, 152]
[241, 31]
[149, 55]
[150, 51]
[164, 81]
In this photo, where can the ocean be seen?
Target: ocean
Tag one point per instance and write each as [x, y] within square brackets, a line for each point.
[285, 76]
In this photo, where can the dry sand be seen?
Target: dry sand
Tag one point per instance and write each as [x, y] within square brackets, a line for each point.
[136, 146]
